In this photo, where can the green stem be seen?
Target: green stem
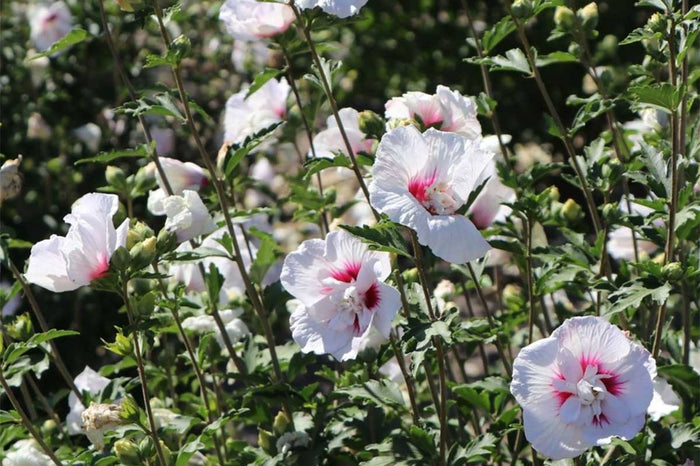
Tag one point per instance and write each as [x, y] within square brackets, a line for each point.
[408, 378]
[25, 420]
[142, 372]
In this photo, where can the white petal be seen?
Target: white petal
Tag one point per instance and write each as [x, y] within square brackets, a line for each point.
[600, 434]
[550, 436]
[339, 8]
[570, 410]
[250, 20]
[665, 400]
[534, 369]
[615, 410]
[302, 271]
[187, 216]
[453, 238]
[315, 337]
[388, 307]
[47, 266]
[155, 201]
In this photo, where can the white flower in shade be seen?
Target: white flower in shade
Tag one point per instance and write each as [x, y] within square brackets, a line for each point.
[87, 381]
[48, 24]
[26, 453]
[339, 8]
[89, 134]
[246, 116]
[488, 207]
[189, 274]
[291, 440]
[10, 179]
[446, 110]
[187, 215]
[67, 263]
[99, 418]
[164, 138]
[665, 400]
[206, 323]
[250, 20]
[583, 384]
[250, 55]
[620, 243]
[422, 180]
[37, 128]
[340, 283]
[236, 329]
[329, 142]
[11, 305]
[181, 176]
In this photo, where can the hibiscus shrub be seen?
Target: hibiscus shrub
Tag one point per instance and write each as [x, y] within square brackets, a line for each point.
[341, 270]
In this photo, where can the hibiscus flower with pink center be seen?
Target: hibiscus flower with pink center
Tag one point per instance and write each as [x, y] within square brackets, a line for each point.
[586, 383]
[340, 285]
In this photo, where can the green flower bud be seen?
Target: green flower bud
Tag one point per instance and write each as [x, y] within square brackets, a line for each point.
[122, 345]
[182, 47]
[137, 233]
[21, 329]
[372, 124]
[410, 275]
[143, 253]
[130, 411]
[588, 15]
[513, 296]
[564, 17]
[167, 241]
[279, 426]
[554, 193]
[657, 23]
[611, 213]
[522, 8]
[673, 271]
[121, 259]
[265, 440]
[571, 210]
[49, 428]
[116, 177]
[127, 452]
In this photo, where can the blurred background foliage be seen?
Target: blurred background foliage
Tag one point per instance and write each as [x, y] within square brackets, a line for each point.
[391, 48]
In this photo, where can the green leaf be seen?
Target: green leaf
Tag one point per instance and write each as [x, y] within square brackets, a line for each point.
[663, 96]
[555, 57]
[682, 433]
[499, 31]
[262, 78]
[75, 36]
[514, 60]
[314, 166]
[633, 295]
[377, 392]
[268, 253]
[384, 236]
[159, 104]
[106, 157]
[236, 152]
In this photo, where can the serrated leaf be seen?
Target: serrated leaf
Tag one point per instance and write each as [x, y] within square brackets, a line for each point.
[377, 392]
[514, 60]
[633, 295]
[75, 36]
[662, 96]
[106, 157]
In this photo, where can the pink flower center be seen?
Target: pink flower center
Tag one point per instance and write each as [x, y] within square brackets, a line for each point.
[100, 269]
[51, 18]
[434, 195]
[348, 273]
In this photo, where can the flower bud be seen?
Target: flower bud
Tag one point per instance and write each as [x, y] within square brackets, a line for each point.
[21, 329]
[588, 16]
[264, 440]
[122, 344]
[127, 452]
[137, 233]
[182, 47]
[672, 271]
[130, 410]
[522, 8]
[121, 259]
[372, 124]
[167, 241]
[564, 17]
[410, 275]
[611, 213]
[143, 253]
[49, 428]
[513, 296]
[279, 426]
[657, 23]
[554, 193]
[116, 177]
[571, 210]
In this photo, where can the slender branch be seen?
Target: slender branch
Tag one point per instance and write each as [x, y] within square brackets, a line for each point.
[132, 93]
[142, 373]
[221, 195]
[331, 100]
[307, 128]
[39, 316]
[470, 310]
[527, 49]
[489, 316]
[25, 420]
[530, 287]
[408, 378]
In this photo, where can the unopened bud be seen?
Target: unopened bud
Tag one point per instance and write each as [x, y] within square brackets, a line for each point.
[116, 177]
[143, 253]
[122, 344]
[130, 411]
[137, 233]
[611, 213]
[264, 440]
[127, 452]
[166, 242]
[588, 16]
[564, 17]
[21, 329]
[571, 210]
[182, 47]
[121, 258]
[522, 8]
[372, 124]
[280, 423]
[657, 23]
[512, 294]
[554, 193]
[410, 275]
[49, 428]
[673, 271]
